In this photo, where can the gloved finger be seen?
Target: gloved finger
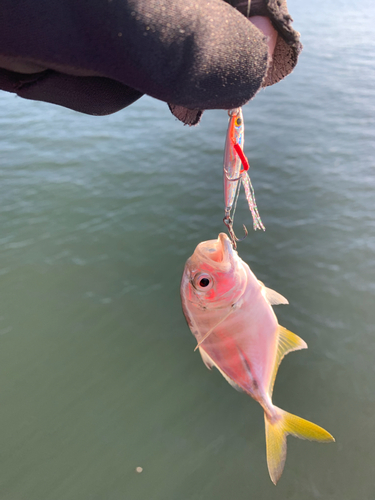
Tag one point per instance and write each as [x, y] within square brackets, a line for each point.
[264, 24]
[198, 54]
[287, 46]
[89, 94]
[273, 20]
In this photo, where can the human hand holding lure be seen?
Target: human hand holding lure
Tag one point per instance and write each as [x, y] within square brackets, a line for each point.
[236, 168]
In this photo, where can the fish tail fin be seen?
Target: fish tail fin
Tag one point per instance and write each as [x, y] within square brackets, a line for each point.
[277, 429]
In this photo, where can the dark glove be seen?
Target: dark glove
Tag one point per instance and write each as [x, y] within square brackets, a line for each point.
[99, 56]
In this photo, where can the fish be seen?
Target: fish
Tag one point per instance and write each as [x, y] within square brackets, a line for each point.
[230, 313]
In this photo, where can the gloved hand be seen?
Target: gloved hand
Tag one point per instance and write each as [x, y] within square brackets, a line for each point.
[99, 56]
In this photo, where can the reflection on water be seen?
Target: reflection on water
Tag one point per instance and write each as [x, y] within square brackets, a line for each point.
[98, 216]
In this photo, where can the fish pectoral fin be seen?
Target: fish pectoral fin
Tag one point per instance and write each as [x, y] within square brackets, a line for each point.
[288, 342]
[278, 428]
[208, 361]
[273, 298]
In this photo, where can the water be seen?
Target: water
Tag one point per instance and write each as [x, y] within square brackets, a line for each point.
[98, 215]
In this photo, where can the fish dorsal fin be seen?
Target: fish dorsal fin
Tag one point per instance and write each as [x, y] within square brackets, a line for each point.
[273, 298]
[288, 341]
[208, 361]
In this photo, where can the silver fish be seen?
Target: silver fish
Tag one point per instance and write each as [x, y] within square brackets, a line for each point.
[229, 311]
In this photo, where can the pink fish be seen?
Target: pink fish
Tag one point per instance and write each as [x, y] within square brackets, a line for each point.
[230, 313]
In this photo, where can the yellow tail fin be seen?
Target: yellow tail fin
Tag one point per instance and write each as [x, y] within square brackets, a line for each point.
[276, 432]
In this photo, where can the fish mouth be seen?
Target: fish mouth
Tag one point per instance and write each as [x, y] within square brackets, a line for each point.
[226, 247]
[220, 250]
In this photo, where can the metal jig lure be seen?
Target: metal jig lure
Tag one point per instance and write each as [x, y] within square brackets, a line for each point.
[236, 168]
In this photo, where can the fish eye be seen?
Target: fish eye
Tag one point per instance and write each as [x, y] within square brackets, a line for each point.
[238, 122]
[202, 282]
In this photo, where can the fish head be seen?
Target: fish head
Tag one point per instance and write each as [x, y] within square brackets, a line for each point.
[214, 276]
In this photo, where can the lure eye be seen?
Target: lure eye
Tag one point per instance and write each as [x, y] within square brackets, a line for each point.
[202, 282]
[238, 122]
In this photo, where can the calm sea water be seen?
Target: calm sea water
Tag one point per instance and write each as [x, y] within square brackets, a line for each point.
[98, 215]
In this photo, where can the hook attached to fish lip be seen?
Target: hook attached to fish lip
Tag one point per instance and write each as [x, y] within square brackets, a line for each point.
[229, 224]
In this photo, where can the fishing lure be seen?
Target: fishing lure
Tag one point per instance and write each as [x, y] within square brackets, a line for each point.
[236, 168]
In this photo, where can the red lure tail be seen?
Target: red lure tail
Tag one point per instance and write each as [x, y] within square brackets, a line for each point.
[244, 160]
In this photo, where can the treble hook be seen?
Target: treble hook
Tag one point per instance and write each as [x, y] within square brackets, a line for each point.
[229, 224]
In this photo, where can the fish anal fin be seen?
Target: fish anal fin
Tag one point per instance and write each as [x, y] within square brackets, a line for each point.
[273, 298]
[209, 362]
[278, 428]
[288, 342]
